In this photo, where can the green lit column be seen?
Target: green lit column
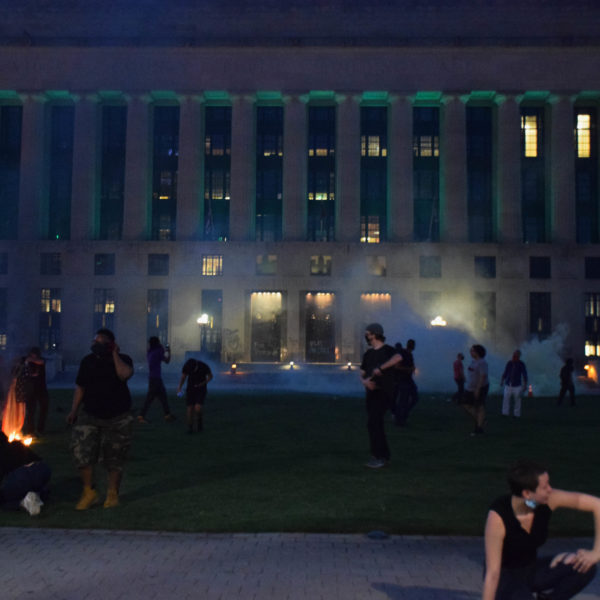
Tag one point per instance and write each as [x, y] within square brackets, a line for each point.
[453, 171]
[32, 183]
[508, 169]
[294, 169]
[347, 202]
[84, 168]
[137, 169]
[400, 161]
[189, 176]
[241, 205]
[562, 161]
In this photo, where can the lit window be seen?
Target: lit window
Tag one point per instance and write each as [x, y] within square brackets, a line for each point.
[529, 125]
[584, 136]
[51, 302]
[212, 265]
[370, 230]
[320, 265]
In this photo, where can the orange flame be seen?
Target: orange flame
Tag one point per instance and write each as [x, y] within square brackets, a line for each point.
[14, 416]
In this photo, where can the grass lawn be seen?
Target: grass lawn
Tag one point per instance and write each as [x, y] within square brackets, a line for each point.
[295, 462]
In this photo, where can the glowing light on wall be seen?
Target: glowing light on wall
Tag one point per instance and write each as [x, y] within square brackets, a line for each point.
[438, 322]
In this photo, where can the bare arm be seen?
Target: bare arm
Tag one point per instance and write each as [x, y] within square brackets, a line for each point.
[77, 398]
[584, 559]
[181, 382]
[388, 364]
[124, 371]
[495, 533]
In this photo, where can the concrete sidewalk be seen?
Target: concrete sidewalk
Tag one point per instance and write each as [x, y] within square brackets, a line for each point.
[46, 564]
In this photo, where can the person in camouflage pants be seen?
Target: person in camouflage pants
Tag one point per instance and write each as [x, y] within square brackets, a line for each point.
[101, 418]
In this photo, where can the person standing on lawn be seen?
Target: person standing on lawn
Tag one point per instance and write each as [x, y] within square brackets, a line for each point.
[198, 374]
[459, 377]
[476, 388]
[101, 417]
[566, 382]
[157, 354]
[514, 379]
[517, 525]
[377, 376]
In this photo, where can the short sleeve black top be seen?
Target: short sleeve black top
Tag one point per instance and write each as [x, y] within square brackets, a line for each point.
[520, 548]
[104, 395]
[372, 359]
[197, 372]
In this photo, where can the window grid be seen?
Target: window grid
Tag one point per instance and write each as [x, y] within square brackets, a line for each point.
[212, 265]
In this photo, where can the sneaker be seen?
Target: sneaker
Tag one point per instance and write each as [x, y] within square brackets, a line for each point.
[89, 497]
[375, 463]
[142, 420]
[170, 417]
[112, 499]
[32, 503]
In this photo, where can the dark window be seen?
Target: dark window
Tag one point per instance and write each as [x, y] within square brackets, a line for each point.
[539, 267]
[321, 173]
[485, 266]
[217, 170]
[10, 165]
[540, 321]
[430, 266]
[164, 172]
[592, 267]
[157, 310]
[269, 172]
[592, 324]
[3, 263]
[480, 174]
[586, 175]
[533, 177]
[373, 173]
[266, 264]
[426, 175]
[104, 264]
[210, 332]
[50, 263]
[158, 264]
[112, 172]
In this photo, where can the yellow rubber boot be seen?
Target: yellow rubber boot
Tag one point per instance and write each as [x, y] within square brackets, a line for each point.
[89, 497]
[112, 499]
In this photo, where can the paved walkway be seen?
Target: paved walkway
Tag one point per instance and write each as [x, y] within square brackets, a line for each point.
[45, 564]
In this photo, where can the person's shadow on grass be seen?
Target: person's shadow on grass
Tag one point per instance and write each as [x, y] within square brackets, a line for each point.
[401, 592]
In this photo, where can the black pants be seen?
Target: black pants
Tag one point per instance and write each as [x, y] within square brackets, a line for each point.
[564, 388]
[377, 404]
[156, 389]
[562, 580]
[31, 405]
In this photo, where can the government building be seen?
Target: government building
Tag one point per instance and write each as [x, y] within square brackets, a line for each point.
[260, 180]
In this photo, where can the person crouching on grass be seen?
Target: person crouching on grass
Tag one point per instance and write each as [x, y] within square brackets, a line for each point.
[517, 525]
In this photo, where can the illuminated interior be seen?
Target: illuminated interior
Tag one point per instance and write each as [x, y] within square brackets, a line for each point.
[529, 126]
[584, 136]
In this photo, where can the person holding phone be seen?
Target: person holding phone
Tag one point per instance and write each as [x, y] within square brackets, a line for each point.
[101, 417]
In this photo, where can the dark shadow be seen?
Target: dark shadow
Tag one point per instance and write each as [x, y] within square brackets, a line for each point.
[402, 592]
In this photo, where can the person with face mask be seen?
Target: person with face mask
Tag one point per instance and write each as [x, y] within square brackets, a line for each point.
[377, 376]
[101, 417]
[517, 525]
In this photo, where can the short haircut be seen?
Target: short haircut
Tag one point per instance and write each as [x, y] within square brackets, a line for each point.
[106, 333]
[524, 475]
[479, 350]
[154, 342]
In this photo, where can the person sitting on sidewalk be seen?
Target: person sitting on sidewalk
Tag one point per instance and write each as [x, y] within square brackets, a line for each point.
[24, 477]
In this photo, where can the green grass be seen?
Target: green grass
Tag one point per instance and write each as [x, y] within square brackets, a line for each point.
[295, 462]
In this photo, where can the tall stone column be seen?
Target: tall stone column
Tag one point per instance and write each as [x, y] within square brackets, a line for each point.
[294, 169]
[453, 175]
[562, 172]
[508, 170]
[85, 162]
[241, 205]
[189, 176]
[31, 180]
[400, 169]
[348, 170]
[137, 170]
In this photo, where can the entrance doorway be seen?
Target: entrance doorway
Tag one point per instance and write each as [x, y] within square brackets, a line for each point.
[320, 327]
[266, 326]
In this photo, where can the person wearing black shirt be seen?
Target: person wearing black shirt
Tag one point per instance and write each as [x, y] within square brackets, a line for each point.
[198, 374]
[377, 376]
[517, 525]
[104, 425]
[24, 477]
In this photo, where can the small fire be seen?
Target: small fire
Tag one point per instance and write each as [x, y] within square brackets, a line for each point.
[16, 436]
